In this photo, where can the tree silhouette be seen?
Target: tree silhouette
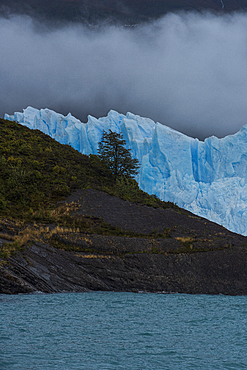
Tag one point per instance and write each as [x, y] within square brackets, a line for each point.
[117, 158]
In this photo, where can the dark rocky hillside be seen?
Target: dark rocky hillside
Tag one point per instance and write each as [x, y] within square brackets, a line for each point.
[137, 248]
[67, 225]
[127, 12]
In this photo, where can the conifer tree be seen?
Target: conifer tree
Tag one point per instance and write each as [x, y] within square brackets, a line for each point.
[117, 158]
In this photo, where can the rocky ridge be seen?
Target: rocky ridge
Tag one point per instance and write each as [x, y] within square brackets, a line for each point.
[174, 251]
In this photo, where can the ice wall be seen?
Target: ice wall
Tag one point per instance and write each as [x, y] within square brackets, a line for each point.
[208, 178]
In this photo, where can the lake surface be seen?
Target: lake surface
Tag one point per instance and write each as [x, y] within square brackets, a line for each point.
[105, 330]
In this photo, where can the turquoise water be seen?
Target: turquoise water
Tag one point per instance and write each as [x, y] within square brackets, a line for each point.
[123, 331]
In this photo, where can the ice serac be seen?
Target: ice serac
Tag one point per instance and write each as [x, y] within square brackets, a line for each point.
[208, 178]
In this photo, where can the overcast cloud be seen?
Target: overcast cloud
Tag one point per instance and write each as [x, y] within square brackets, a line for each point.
[187, 71]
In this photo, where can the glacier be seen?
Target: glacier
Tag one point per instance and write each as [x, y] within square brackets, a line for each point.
[208, 178]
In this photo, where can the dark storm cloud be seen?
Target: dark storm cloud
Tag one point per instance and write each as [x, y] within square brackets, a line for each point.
[187, 71]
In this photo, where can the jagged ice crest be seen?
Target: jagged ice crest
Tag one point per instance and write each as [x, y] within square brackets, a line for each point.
[208, 178]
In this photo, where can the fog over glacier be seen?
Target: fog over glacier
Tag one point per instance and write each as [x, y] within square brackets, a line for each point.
[187, 70]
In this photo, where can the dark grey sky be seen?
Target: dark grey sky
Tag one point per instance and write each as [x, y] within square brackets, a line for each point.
[187, 71]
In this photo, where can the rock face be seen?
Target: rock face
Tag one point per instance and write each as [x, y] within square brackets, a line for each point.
[208, 178]
[48, 270]
[195, 256]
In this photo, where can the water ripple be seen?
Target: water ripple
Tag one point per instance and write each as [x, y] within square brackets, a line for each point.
[122, 331]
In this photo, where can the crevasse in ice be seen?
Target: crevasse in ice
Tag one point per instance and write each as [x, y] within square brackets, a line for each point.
[208, 178]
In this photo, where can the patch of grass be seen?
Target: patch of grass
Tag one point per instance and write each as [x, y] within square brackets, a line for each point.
[84, 244]
[9, 249]
[70, 247]
[6, 237]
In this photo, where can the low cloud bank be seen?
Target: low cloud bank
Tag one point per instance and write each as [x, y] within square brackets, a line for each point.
[187, 71]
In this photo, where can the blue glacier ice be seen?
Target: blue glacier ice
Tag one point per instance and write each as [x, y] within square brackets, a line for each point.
[208, 178]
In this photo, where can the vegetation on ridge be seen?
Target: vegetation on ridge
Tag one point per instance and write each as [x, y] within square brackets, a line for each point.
[36, 171]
